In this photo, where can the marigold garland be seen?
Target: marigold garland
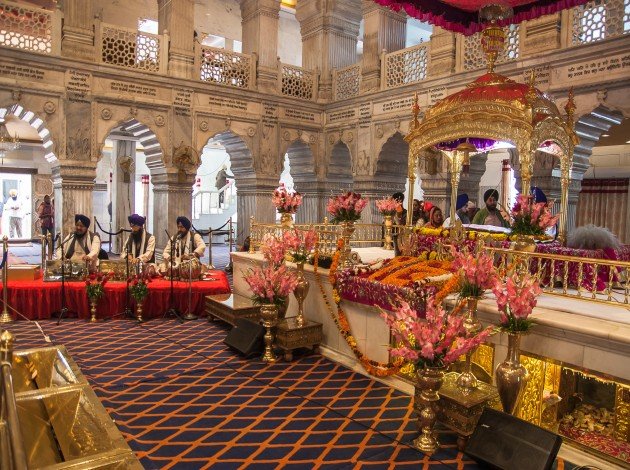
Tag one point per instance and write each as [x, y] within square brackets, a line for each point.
[374, 368]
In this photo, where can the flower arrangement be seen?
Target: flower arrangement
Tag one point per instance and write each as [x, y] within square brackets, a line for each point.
[138, 287]
[387, 206]
[273, 249]
[271, 284]
[476, 272]
[299, 244]
[531, 218]
[346, 207]
[284, 201]
[95, 285]
[436, 342]
[516, 298]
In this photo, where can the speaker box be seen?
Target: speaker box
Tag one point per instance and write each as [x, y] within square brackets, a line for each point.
[246, 337]
[501, 441]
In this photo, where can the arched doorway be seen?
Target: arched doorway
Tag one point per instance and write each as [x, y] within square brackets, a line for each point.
[339, 172]
[25, 174]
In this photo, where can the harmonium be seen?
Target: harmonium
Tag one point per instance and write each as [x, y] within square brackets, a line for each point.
[116, 268]
[57, 269]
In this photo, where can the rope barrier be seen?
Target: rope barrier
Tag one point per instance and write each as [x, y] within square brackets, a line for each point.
[113, 234]
[207, 232]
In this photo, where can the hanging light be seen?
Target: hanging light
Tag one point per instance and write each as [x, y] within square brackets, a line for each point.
[466, 148]
[7, 143]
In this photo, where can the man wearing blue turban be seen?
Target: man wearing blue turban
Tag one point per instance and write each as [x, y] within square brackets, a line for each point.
[462, 209]
[187, 244]
[81, 245]
[140, 245]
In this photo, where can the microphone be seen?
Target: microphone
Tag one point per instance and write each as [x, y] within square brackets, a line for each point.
[180, 236]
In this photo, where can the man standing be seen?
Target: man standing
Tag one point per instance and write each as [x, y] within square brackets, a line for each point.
[187, 244]
[140, 245]
[490, 215]
[81, 245]
[46, 212]
[13, 207]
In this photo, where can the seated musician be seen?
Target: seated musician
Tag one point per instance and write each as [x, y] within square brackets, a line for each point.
[188, 244]
[140, 245]
[81, 246]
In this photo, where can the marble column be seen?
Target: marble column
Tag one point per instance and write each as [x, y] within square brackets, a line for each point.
[123, 188]
[77, 35]
[442, 52]
[541, 35]
[254, 199]
[178, 17]
[73, 185]
[260, 20]
[384, 30]
[172, 197]
[330, 32]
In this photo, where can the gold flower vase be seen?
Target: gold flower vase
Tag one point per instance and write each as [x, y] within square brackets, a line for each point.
[347, 229]
[525, 243]
[269, 315]
[389, 245]
[139, 304]
[467, 382]
[511, 375]
[429, 381]
[300, 292]
[286, 220]
[93, 303]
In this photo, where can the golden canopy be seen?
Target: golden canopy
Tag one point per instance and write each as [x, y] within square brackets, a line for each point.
[492, 109]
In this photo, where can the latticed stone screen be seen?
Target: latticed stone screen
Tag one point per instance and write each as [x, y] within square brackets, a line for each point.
[406, 66]
[225, 67]
[297, 82]
[348, 82]
[600, 19]
[131, 49]
[25, 28]
[474, 57]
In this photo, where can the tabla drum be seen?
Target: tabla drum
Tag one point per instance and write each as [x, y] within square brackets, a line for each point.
[191, 269]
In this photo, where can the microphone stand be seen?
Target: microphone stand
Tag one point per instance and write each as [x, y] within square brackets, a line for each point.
[64, 310]
[127, 312]
[172, 310]
[190, 315]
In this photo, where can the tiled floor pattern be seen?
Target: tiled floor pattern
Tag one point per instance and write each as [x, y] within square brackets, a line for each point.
[183, 400]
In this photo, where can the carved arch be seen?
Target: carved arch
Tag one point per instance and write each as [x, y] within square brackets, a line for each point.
[36, 123]
[392, 160]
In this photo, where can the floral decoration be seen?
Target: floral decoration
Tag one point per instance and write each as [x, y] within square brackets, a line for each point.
[139, 288]
[271, 284]
[273, 249]
[284, 201]
[299, 243]
[476, 272]
[516, 298]
[346, 207]
[436, 342]
[531, 218]
[387, 206]
[95, 285]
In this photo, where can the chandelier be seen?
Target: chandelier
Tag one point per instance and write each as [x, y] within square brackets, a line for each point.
[7, 143]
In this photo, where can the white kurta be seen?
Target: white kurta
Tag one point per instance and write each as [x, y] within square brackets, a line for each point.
[93, 248]
[148, 253]
[183, 247]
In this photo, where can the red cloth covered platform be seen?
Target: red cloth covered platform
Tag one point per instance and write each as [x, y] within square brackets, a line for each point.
[38, 299]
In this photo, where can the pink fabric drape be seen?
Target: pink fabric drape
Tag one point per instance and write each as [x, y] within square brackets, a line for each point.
[605, 203]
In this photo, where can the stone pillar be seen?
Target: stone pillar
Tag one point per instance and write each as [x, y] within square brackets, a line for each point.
[442, 52]
[77, 35]
[73, 185]
[260, 19]
[254, 199]
[436, 185]
[541, 35]
[383, 30]
[123, 187]
[178, 18]
[172, 197]
[330, 32]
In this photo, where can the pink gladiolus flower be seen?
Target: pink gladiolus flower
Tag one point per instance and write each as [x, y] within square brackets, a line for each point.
[516, 299]
[346, 207]
[273, 249]
[284, 201]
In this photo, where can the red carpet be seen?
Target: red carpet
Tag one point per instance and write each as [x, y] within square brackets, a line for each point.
[183, 400]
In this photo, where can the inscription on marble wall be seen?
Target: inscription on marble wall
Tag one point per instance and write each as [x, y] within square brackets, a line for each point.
[542, 76]
[365, 116]
[21, 71]
[397, 106]
[346, 114]
[78, 86]
[292, 113]
[182, 102]
[602, 68]
[133, 89]
[436, 94]
[230, 103]
[270, 114]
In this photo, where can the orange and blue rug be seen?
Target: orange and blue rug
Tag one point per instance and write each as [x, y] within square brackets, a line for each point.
[183, 400]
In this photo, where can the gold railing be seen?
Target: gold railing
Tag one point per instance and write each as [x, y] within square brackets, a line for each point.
[592, 279]
[11, 442]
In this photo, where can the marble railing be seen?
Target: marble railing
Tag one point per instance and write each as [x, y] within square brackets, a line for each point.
[225, 67]
[297, 82]
[132, 49]
[405, 66]
[29, 28]
[347, 82]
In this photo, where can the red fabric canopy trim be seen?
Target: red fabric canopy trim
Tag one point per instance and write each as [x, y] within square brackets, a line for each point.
[455, 16]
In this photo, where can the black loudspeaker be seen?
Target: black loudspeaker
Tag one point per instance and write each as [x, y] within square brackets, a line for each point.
[501, 441]
[246, 337]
